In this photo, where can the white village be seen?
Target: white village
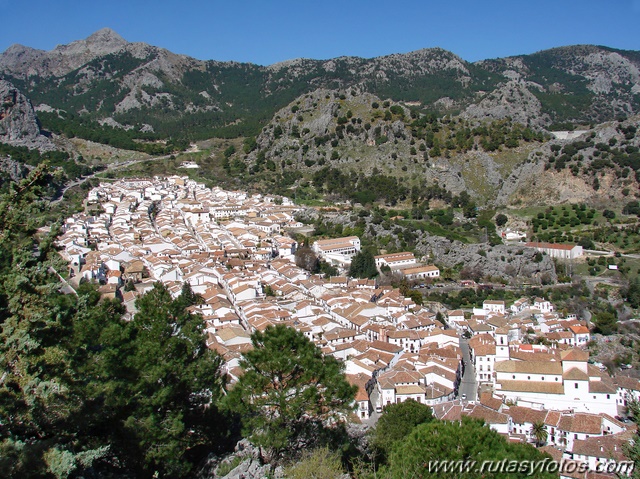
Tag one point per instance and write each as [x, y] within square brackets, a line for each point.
[233, 249]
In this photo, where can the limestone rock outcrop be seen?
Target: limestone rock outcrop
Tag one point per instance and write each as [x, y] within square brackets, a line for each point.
[18, 121]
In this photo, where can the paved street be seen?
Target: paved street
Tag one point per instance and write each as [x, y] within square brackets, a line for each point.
[373, 418]
[468, 384]
[66, 287]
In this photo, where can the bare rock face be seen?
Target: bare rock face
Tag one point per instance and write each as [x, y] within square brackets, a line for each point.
[13, 170]
[18, 121]
[512, 99]
[22, 62]
[501, 261]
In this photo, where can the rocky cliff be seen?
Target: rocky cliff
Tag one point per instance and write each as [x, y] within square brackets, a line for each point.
[18, 121]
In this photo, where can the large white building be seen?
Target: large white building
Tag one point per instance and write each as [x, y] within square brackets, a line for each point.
[558, 250]
[395, 260]
[337, 250]
[570, 384]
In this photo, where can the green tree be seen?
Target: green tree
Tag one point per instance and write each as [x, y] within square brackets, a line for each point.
[229, 151]
[289, 391]
[150, 386]
[328, 269]
[83, 392]
[632, 293]
[363, 265]
[38, 407]
[606, 322]
[470, 210]
[466, 440]
[396, 423]
[249, 145]
[173, 383]
[501, 219]
[539, 433]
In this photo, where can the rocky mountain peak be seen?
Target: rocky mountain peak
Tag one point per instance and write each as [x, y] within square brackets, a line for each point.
[16, 49]
[106, 36]
[22, 62]
[102, 42]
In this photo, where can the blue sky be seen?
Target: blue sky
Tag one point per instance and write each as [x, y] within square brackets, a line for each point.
[269, 31]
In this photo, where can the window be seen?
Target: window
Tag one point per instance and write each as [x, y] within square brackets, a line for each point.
[575, 385]
[528, 377]
[543, 378]
[514, 376]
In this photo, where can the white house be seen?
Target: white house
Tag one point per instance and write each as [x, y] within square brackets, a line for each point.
[543, 305]
[493, 306]
[558, 250]
[421, 272]
[628, 389]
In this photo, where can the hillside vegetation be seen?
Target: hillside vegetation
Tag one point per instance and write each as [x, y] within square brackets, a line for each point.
[153, 93]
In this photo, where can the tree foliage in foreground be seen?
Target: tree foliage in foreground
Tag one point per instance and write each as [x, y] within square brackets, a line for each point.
[397, 422]
[83, 392]
[38, 404]
[166, 384]
[319, 463]
[289, 392]
[465, 440]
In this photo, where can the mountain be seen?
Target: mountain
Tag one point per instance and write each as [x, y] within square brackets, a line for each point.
[583, 82]
[24, 62]
[342, 139]
[149, 91]
[425, 124]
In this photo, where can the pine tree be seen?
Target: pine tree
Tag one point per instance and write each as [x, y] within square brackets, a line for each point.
[289, 391]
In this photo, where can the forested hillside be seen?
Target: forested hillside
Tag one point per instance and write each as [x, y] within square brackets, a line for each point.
[155, 94]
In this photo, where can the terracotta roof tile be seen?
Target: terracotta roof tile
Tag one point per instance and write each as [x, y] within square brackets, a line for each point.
[532, 387]
[533, 367]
